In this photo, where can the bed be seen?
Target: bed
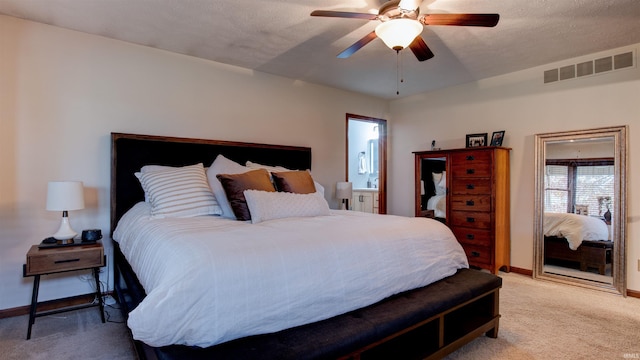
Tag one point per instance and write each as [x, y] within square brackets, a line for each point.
[432, 312]
[577, 239]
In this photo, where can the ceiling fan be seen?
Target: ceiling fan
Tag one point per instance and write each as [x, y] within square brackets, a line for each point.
[401, 26]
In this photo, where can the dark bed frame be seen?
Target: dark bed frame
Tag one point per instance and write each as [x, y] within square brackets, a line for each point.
[590, 254]
[428, 322]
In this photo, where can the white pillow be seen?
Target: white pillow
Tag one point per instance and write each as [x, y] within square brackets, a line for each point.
[251, 165]
[222, 165]
[265, 205]
[440, 182]
[179, 192]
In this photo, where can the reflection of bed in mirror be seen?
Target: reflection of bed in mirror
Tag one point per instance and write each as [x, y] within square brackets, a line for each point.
[578, 239]
[434, 187]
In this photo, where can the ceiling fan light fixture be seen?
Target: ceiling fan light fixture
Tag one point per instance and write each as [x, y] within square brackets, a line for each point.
[398, 34]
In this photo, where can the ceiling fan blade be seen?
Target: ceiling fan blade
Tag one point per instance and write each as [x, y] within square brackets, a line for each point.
[487, 20]
[420, 49]
[358, 45]
[344, 14]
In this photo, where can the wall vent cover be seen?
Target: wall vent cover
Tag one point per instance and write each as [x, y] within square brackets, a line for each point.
[593, 67]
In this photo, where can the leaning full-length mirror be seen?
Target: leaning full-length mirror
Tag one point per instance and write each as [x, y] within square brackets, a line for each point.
[580, 208]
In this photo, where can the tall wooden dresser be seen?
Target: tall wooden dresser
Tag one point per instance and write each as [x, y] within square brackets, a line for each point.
[477, 200]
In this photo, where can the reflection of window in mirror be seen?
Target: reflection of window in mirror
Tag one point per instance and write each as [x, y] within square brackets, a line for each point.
[573, 182]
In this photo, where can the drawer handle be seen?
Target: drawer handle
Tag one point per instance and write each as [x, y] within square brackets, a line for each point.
[471, 186]
[471, 171]
[470, 157]
[470, 203]
[470, 236]
[470, 219]
[65, 261]
[475, 254]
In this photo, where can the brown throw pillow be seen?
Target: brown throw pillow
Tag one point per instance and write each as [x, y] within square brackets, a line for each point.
[234, 186]
[299, 182]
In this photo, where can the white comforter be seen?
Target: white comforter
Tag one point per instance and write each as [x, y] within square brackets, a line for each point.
[209, 280]
[438, 203]
[575, 228]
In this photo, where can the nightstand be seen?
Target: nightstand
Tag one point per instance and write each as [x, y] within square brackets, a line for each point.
[62, 259]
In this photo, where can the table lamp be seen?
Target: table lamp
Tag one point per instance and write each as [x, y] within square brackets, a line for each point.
[65, 196]
[343, 192]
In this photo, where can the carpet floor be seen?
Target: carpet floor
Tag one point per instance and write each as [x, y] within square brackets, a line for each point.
[540, 320]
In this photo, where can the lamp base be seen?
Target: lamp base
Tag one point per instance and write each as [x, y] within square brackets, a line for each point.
[65, 232]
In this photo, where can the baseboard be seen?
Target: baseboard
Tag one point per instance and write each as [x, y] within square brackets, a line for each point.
[521, 271]
[633, 293]
[50, 305]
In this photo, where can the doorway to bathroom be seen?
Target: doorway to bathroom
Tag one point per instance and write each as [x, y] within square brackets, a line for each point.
[366, 160]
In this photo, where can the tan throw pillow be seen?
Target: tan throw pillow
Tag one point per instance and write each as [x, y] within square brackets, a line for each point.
[235, 184]
[299, 182]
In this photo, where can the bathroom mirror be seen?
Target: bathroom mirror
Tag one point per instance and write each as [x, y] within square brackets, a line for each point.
[580, 208]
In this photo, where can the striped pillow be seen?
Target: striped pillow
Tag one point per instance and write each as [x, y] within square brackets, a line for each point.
[179, 192]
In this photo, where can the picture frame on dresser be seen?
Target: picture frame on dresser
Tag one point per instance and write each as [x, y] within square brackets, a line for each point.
[476, 140]
[496, 138]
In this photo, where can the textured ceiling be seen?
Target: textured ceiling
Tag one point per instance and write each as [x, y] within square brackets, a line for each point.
[279, 36]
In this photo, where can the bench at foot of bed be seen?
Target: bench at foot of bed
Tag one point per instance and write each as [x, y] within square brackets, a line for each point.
[429, 322]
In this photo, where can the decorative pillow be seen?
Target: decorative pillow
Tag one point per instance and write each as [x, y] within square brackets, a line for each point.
[235, 184]
[299, 182]
[275, 169]
[222, 165]
[440, 182]
[277, 205]
[179, 192]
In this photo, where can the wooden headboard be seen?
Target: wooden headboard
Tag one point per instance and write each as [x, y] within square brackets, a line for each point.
[130, 152]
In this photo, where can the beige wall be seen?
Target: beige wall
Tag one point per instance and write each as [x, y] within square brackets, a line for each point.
[523, 106]
[63, 92]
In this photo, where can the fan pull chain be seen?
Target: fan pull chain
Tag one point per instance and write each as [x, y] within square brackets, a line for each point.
[399, 71]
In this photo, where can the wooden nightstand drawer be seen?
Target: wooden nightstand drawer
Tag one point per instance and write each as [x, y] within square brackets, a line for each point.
[45, 261]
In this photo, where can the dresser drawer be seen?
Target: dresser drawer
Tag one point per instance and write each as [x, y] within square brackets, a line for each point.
[473, 219]
[472, 186]
[471, 236]
[478, 254]
[471, 164]
[471, 202]
[44, 261]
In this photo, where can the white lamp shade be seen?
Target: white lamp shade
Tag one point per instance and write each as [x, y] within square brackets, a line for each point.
[397, 34]
[65, 195]
[344, 190]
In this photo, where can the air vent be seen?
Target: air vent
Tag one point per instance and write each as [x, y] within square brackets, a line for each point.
[593, 67]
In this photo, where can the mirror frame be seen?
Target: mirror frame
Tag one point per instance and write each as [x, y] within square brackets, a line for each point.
[619, 269]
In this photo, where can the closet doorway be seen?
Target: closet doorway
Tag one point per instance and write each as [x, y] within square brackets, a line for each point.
[366, 160]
